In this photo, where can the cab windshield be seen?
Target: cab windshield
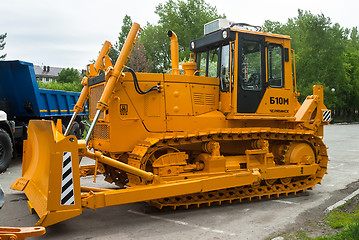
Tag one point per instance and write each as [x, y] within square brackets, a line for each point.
[217, 62]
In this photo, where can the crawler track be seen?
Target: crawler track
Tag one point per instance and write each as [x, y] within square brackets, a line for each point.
[275, 187]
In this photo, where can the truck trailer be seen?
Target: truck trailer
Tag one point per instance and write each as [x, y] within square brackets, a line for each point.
[22, 100]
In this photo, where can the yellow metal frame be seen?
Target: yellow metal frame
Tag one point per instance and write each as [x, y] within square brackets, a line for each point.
[187, 113]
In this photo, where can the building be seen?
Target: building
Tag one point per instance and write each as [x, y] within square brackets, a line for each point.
[46, 73]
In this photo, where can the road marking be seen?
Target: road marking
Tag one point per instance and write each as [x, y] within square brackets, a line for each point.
[183, 223]
[283, 201]
[342, 202]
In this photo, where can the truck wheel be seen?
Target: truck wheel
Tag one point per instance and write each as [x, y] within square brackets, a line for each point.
[75, 130]
[5, 150]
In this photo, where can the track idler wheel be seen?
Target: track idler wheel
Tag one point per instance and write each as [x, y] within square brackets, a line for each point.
[286, 181]
[270, 182]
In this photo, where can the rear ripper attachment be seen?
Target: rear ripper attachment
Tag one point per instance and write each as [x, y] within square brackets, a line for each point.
[189, 138]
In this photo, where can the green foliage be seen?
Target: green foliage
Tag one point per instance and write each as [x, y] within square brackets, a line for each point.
[125, 29]
[2, 45]
[68, 75]
[69, 79]
[157, 45]
[339, 218]
[351, 66]
[73, 86]
[325, 55]
[138, 58]
[349, 232]
[186, 19]
[345, 217]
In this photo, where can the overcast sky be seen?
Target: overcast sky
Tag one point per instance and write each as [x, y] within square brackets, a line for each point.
[69, 33]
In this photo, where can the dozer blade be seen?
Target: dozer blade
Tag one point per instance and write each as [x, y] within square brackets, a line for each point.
[50, 161]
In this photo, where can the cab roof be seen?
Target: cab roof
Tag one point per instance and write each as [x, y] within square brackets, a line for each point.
[224, 36]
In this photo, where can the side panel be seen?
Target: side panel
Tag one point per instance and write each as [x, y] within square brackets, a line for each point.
[178, 99]
[54, 103]
[131, 116]
[205, 98]
[280, 101]
[214, 119]
[277, 102]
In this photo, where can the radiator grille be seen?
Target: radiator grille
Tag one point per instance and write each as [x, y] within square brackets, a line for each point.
[198, 98]
[95, 95]
[203, 99]
[101, 132]
[209, 99]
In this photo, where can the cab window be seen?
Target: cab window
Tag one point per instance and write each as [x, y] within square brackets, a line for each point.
[208, 62]
[251, 72]
[226, 64]
[201, 63]
[275, 65]
[213, 63]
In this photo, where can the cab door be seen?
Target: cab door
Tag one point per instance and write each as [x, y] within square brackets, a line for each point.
[251, 73]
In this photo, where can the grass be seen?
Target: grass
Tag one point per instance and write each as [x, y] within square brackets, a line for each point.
[349, 232]
[343, 220]
[339, 218]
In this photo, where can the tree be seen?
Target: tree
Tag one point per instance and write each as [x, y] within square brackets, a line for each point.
[186, 19]
[138, 59]
[68, 80]
[326, 54]
[2, 45]
[352, 69]
[125, 29]
[319, 46]
[155, 41]
[69, 75]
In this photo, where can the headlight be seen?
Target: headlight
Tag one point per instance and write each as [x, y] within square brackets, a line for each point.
[224, 34]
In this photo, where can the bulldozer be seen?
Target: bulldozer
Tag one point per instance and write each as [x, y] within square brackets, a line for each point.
[224, 127]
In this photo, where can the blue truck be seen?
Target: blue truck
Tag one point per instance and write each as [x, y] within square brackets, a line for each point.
[22, 100]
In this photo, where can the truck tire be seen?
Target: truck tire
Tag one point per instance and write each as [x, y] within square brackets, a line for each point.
[5, 150]
[75, 130]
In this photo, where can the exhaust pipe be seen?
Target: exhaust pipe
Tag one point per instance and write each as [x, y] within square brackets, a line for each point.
[174, 52]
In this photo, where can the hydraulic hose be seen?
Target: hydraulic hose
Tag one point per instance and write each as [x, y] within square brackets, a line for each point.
[137, 86]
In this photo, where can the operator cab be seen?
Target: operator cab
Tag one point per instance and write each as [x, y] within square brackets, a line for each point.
[254, 64]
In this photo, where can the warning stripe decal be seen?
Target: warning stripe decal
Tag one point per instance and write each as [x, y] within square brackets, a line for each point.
[326, 115]
[67, 186]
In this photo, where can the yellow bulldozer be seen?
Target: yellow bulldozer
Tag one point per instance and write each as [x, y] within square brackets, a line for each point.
[226, 126]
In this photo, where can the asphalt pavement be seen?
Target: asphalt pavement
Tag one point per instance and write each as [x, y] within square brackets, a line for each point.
[258, 219]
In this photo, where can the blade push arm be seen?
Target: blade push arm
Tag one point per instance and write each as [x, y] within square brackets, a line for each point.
[79, 107]
[115, 74]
